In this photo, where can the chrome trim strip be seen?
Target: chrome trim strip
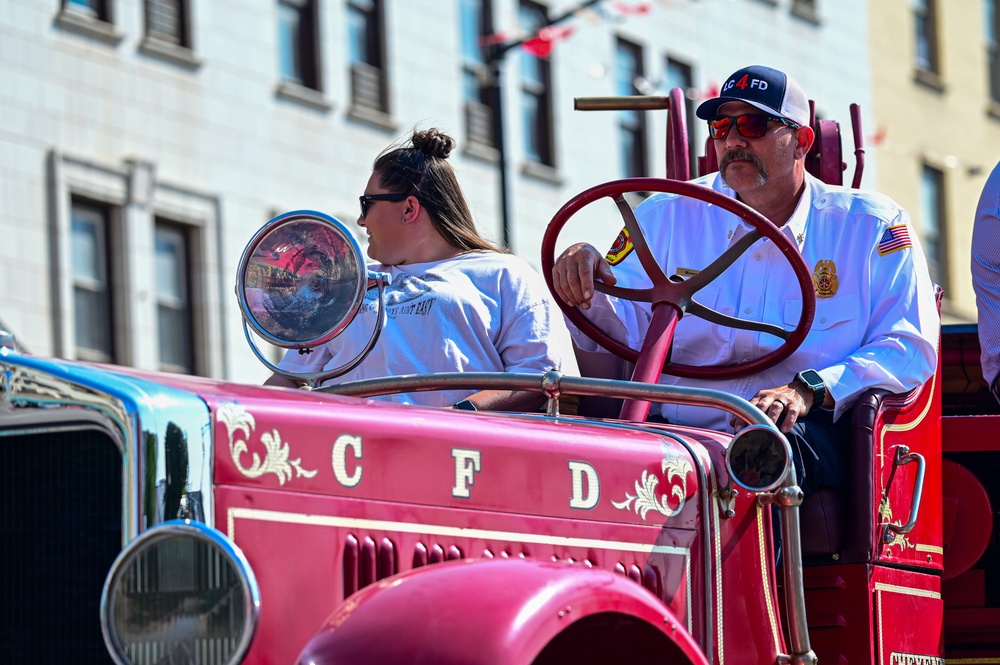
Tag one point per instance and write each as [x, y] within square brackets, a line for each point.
[795, 594]
[552, 380]
[148, 421]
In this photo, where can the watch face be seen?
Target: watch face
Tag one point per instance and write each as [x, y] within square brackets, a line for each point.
[811, 378]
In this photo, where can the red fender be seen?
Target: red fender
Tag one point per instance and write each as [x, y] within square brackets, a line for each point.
[502, 611]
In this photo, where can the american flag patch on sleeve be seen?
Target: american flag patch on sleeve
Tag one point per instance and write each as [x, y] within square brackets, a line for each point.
[895, 237]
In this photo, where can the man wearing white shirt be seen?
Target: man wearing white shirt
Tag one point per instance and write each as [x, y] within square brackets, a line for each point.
[876, 322]
[986, 277]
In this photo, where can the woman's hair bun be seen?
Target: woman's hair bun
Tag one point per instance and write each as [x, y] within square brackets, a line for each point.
[433, 142]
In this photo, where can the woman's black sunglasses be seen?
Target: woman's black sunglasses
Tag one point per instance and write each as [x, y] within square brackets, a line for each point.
[751, 125]
[368, 199]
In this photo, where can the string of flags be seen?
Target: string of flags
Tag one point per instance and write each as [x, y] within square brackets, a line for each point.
[541, 43]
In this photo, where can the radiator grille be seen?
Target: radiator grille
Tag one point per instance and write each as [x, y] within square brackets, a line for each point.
[61, 526]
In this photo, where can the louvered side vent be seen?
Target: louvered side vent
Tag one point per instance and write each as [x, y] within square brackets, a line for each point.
[365, 562]
[651, 580]
[420, 555]
[386, 559]
[59, 543]
[367, 571]
[366, 86]
[649, 576]
[479, 123]
[350, 563]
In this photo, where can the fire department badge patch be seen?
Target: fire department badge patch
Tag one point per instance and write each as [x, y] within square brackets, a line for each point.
[621, 248]
[825, 279]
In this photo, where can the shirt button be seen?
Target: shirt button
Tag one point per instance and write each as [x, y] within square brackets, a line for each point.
[823, 320]
[747, 310]
[757, 256]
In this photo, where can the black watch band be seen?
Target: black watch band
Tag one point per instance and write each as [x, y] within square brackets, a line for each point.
[811, 379]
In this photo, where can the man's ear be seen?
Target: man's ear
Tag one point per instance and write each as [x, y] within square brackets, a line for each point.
[803, 141]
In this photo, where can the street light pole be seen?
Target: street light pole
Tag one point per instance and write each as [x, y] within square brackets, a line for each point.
[496, 56]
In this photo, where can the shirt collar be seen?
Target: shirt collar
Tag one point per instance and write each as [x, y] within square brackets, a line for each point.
[794, 228]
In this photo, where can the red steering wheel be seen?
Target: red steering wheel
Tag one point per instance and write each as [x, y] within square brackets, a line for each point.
[677, 294]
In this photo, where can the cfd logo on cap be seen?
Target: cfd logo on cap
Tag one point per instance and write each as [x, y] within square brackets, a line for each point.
[744, 83]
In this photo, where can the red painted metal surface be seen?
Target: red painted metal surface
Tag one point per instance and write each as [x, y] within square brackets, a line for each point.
[972, 433]
[326, 495]
[862, 613]
[520, 608]
[968, 519]
[908, 616]
[678, 153]
[914, 423]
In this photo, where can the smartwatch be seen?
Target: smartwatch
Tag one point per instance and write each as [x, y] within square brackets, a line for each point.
[811, 379]
[464, 405]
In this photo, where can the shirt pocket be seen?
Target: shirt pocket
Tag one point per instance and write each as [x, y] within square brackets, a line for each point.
[834, 332]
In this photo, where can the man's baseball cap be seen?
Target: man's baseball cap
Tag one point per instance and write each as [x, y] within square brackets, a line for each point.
[764, 87]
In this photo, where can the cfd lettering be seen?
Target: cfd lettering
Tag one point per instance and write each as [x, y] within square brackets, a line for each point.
[744, 83]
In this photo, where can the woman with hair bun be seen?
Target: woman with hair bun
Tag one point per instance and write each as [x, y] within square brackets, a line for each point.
[456, 303]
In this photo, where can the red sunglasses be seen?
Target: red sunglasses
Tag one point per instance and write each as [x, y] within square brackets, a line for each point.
[751, 125]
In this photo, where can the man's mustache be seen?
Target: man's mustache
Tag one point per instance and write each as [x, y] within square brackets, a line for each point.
[742, 155]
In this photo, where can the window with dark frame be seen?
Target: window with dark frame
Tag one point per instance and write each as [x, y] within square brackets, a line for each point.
[631, 124]
[298, 44]
[536, 92]
[991, 19]
[805, 9]
[366, 41]
[681, 75]
[925, 27]
[476, 23]
[933, 223]
[93, 302]
[169, 21]
[99, 10]
[173, 297]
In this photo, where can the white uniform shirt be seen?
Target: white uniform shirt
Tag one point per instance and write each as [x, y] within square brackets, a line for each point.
[986, 276]
[478, 312]
[876, 323]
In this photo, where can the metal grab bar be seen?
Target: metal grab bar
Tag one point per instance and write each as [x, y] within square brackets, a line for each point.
[903, 457]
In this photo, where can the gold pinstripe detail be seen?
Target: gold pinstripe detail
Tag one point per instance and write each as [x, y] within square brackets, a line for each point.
[762, 542]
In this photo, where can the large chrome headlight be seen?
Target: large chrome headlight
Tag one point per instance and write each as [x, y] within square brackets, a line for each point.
[758, 458]
[180, 593]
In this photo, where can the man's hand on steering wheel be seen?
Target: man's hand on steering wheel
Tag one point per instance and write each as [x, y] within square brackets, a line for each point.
[574, 272]
[784, 405]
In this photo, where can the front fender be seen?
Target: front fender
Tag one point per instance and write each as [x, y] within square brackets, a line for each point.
[503, 611]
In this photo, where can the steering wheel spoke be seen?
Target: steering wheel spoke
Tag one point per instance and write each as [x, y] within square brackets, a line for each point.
[726, 259]
[702, 312]
[646, 258]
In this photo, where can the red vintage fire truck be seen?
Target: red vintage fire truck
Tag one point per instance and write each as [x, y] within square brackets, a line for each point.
[171, 519]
